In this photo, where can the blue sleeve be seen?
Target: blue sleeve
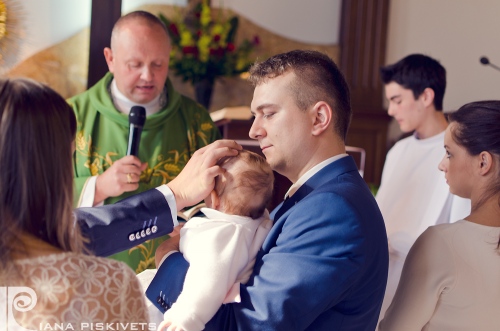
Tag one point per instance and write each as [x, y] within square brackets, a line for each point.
[167, 284]
[125, 224]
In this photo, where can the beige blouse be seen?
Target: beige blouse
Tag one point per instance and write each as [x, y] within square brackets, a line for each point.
[450, 281]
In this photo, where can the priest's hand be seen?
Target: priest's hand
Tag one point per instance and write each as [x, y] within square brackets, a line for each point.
[195, 182]
[122, 176]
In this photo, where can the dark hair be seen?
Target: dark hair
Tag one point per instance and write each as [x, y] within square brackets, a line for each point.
[417, 72]
[318, 79]
[255, 180]
[139, 15]
[477, 129]
[37, 130]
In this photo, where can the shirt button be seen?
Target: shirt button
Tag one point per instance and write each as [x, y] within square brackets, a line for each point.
[154, 228]
[131, 237]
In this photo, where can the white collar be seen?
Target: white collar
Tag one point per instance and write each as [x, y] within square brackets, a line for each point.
[311, 172]
[123, 104]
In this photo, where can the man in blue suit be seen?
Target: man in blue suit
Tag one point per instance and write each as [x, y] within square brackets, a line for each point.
[323, 265]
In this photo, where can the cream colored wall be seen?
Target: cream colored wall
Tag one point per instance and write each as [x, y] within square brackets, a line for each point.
[44, 23]
[457, 33]
[312, 21]
[48, 22]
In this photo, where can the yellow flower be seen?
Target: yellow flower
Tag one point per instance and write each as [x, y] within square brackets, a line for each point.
[221, 31]
[240, 64]
[217, 29]
[205, 15]
[203, 47]
[186, 39]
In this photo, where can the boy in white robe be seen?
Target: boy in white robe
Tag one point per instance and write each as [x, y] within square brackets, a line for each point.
[413, 194]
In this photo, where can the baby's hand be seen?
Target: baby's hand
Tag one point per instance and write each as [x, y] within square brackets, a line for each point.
[168, 326]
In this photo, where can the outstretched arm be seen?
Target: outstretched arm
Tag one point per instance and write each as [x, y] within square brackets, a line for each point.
[127, 223]
[114, 228]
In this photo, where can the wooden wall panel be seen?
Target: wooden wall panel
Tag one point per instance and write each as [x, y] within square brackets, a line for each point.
[362, 52]
[104, 15]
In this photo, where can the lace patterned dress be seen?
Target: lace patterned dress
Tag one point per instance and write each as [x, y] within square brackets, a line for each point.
[75, 291]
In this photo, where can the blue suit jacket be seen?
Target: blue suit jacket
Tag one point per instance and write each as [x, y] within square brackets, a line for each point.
[323, 266]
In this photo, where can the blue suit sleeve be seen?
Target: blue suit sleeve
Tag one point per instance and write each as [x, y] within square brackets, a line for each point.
[167, 284]
[125, 224]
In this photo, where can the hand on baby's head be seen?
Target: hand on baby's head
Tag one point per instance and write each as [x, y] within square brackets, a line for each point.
[245, 187]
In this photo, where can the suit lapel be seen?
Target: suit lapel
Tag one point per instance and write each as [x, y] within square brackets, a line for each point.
[333, 170]
[303, 191]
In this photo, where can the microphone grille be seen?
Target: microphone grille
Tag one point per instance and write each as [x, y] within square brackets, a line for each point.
[137, 115]
[484, 60]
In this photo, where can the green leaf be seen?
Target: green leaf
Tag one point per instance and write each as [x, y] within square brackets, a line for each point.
[233, 22]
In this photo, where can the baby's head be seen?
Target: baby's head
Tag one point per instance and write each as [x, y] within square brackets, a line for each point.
[245, 188]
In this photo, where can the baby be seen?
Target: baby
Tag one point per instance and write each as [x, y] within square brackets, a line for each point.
[221, 248]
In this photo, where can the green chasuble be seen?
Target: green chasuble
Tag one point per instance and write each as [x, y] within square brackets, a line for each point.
[169, 138]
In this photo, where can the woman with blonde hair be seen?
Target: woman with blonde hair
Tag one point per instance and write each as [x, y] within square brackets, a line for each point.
[41, 246]
[451, 277]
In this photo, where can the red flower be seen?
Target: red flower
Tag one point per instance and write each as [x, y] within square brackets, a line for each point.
[216, 38]
[198, 33]
[256, 40]
[230, 47]
[174, 29]
[219, 51]
[190, 50]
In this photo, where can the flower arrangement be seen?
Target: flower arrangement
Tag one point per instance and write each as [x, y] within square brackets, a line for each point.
[203, 48]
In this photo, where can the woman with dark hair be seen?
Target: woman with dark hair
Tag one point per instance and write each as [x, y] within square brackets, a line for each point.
[41, 247]
[451, 277]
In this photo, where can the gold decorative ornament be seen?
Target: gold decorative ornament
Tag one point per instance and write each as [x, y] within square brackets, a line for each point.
[3, 20]
[11, 32]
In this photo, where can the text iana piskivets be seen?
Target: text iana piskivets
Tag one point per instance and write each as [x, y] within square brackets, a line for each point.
[98, 326]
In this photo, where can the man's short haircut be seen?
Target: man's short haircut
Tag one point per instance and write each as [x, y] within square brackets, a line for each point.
[417, 72]
[248, 191]
[317, 79]
[142, 16]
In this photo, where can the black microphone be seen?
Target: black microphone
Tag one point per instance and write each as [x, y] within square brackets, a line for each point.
[136, 119]
[484, 60]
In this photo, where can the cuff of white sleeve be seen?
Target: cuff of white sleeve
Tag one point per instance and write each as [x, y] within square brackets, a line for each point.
[169, 196]
[88, 193]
